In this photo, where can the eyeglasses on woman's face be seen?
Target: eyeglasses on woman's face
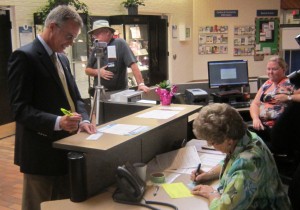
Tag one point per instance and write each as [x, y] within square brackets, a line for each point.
[273, 68]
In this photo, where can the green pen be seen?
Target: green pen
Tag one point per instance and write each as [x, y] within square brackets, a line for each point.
[66, 112]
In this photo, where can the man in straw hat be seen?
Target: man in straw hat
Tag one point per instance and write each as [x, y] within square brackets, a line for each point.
[113, 71]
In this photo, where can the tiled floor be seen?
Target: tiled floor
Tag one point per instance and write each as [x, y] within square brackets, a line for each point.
[10, 177]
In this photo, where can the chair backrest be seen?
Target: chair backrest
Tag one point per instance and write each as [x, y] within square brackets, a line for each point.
[294, 189]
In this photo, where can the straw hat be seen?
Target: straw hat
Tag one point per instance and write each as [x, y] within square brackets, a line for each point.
[101, 24]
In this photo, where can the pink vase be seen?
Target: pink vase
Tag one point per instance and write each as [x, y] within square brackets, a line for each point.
[165, 96]
[165, 100]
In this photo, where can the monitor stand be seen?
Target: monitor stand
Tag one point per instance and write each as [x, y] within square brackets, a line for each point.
[226, 95]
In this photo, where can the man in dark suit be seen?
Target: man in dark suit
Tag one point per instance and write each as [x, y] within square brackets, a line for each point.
[39, 87]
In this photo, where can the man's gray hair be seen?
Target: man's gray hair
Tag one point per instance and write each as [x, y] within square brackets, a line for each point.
[61, 14]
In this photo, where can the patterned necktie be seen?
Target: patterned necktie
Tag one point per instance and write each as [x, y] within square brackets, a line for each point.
[62, 77]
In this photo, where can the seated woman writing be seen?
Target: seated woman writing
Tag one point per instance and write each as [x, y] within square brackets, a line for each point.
[248, 176]
[267, 105]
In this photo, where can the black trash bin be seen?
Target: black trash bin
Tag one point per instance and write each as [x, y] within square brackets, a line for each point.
[77, 171]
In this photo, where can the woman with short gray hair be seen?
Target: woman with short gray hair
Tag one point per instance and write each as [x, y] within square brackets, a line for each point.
[248, 176]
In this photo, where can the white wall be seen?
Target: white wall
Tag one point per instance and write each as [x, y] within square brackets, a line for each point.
[204, 15]
[188, 65]
[178, 11]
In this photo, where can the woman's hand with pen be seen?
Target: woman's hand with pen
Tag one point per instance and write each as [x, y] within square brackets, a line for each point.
[196, 173]
[200, 176]
[196, 176]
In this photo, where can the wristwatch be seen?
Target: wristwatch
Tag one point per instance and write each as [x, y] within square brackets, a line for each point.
[289, 97]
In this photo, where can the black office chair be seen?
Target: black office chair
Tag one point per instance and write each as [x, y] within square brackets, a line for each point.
[284, 161]
[263, 134]
[294, 189]
[285, 139]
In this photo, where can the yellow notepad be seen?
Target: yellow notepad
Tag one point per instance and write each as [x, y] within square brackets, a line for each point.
[177, 190]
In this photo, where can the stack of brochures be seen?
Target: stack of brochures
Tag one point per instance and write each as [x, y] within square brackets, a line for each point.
[186, 159]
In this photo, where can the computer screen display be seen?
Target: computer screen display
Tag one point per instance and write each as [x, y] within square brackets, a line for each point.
[227, 74]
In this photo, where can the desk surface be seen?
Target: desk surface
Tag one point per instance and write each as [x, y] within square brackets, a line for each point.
[107, 141]
[104, 201]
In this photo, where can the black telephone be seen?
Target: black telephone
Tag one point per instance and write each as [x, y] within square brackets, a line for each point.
[130, 186]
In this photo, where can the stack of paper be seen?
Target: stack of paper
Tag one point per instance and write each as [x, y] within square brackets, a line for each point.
[202, 147]
[186, 157]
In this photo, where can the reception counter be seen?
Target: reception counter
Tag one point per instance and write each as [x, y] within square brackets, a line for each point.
[102, 156]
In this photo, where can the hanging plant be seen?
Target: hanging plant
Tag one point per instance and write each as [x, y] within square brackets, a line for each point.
[45, 10]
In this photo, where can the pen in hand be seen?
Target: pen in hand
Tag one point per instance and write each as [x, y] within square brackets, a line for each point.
[66, 112]
[197, 172]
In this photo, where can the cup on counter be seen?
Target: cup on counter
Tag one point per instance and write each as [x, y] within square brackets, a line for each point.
[141, 170]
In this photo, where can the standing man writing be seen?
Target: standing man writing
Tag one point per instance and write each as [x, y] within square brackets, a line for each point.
[40, 84]
[113, 72]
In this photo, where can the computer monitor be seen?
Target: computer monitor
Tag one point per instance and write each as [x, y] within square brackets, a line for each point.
[228, 74]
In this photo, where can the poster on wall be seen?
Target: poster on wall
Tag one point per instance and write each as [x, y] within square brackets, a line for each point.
[213, 39]
[244, 40]
[26, 34]
[266, 36]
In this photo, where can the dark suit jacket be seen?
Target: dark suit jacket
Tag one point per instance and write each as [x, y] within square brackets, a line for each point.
[36, 96]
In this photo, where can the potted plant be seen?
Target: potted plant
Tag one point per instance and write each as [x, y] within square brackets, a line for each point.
[132, 6]
[41, 14]
[165, 91]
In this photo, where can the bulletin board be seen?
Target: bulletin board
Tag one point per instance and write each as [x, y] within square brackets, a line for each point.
[266, 36]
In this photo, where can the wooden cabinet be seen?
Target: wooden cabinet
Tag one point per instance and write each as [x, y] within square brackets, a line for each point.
[290, 4]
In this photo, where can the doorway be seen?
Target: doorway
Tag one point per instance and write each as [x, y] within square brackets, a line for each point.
[5, 52]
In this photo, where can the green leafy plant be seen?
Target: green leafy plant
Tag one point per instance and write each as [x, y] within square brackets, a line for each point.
[165, 85]
[44, 11]
[165, 91]
[133, 3]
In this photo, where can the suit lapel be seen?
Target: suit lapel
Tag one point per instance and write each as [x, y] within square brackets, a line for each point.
[46, 61]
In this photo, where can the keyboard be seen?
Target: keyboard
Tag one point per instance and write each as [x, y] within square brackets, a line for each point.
[240, 104]
[228, 92]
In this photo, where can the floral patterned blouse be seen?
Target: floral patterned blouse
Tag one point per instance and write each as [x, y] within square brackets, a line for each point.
[250, 179]
[269, 111]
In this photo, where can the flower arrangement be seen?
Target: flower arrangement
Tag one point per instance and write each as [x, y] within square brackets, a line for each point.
[133, 3]
[165, 91]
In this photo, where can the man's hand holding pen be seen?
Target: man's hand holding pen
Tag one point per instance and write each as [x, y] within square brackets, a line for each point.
[70, 123]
